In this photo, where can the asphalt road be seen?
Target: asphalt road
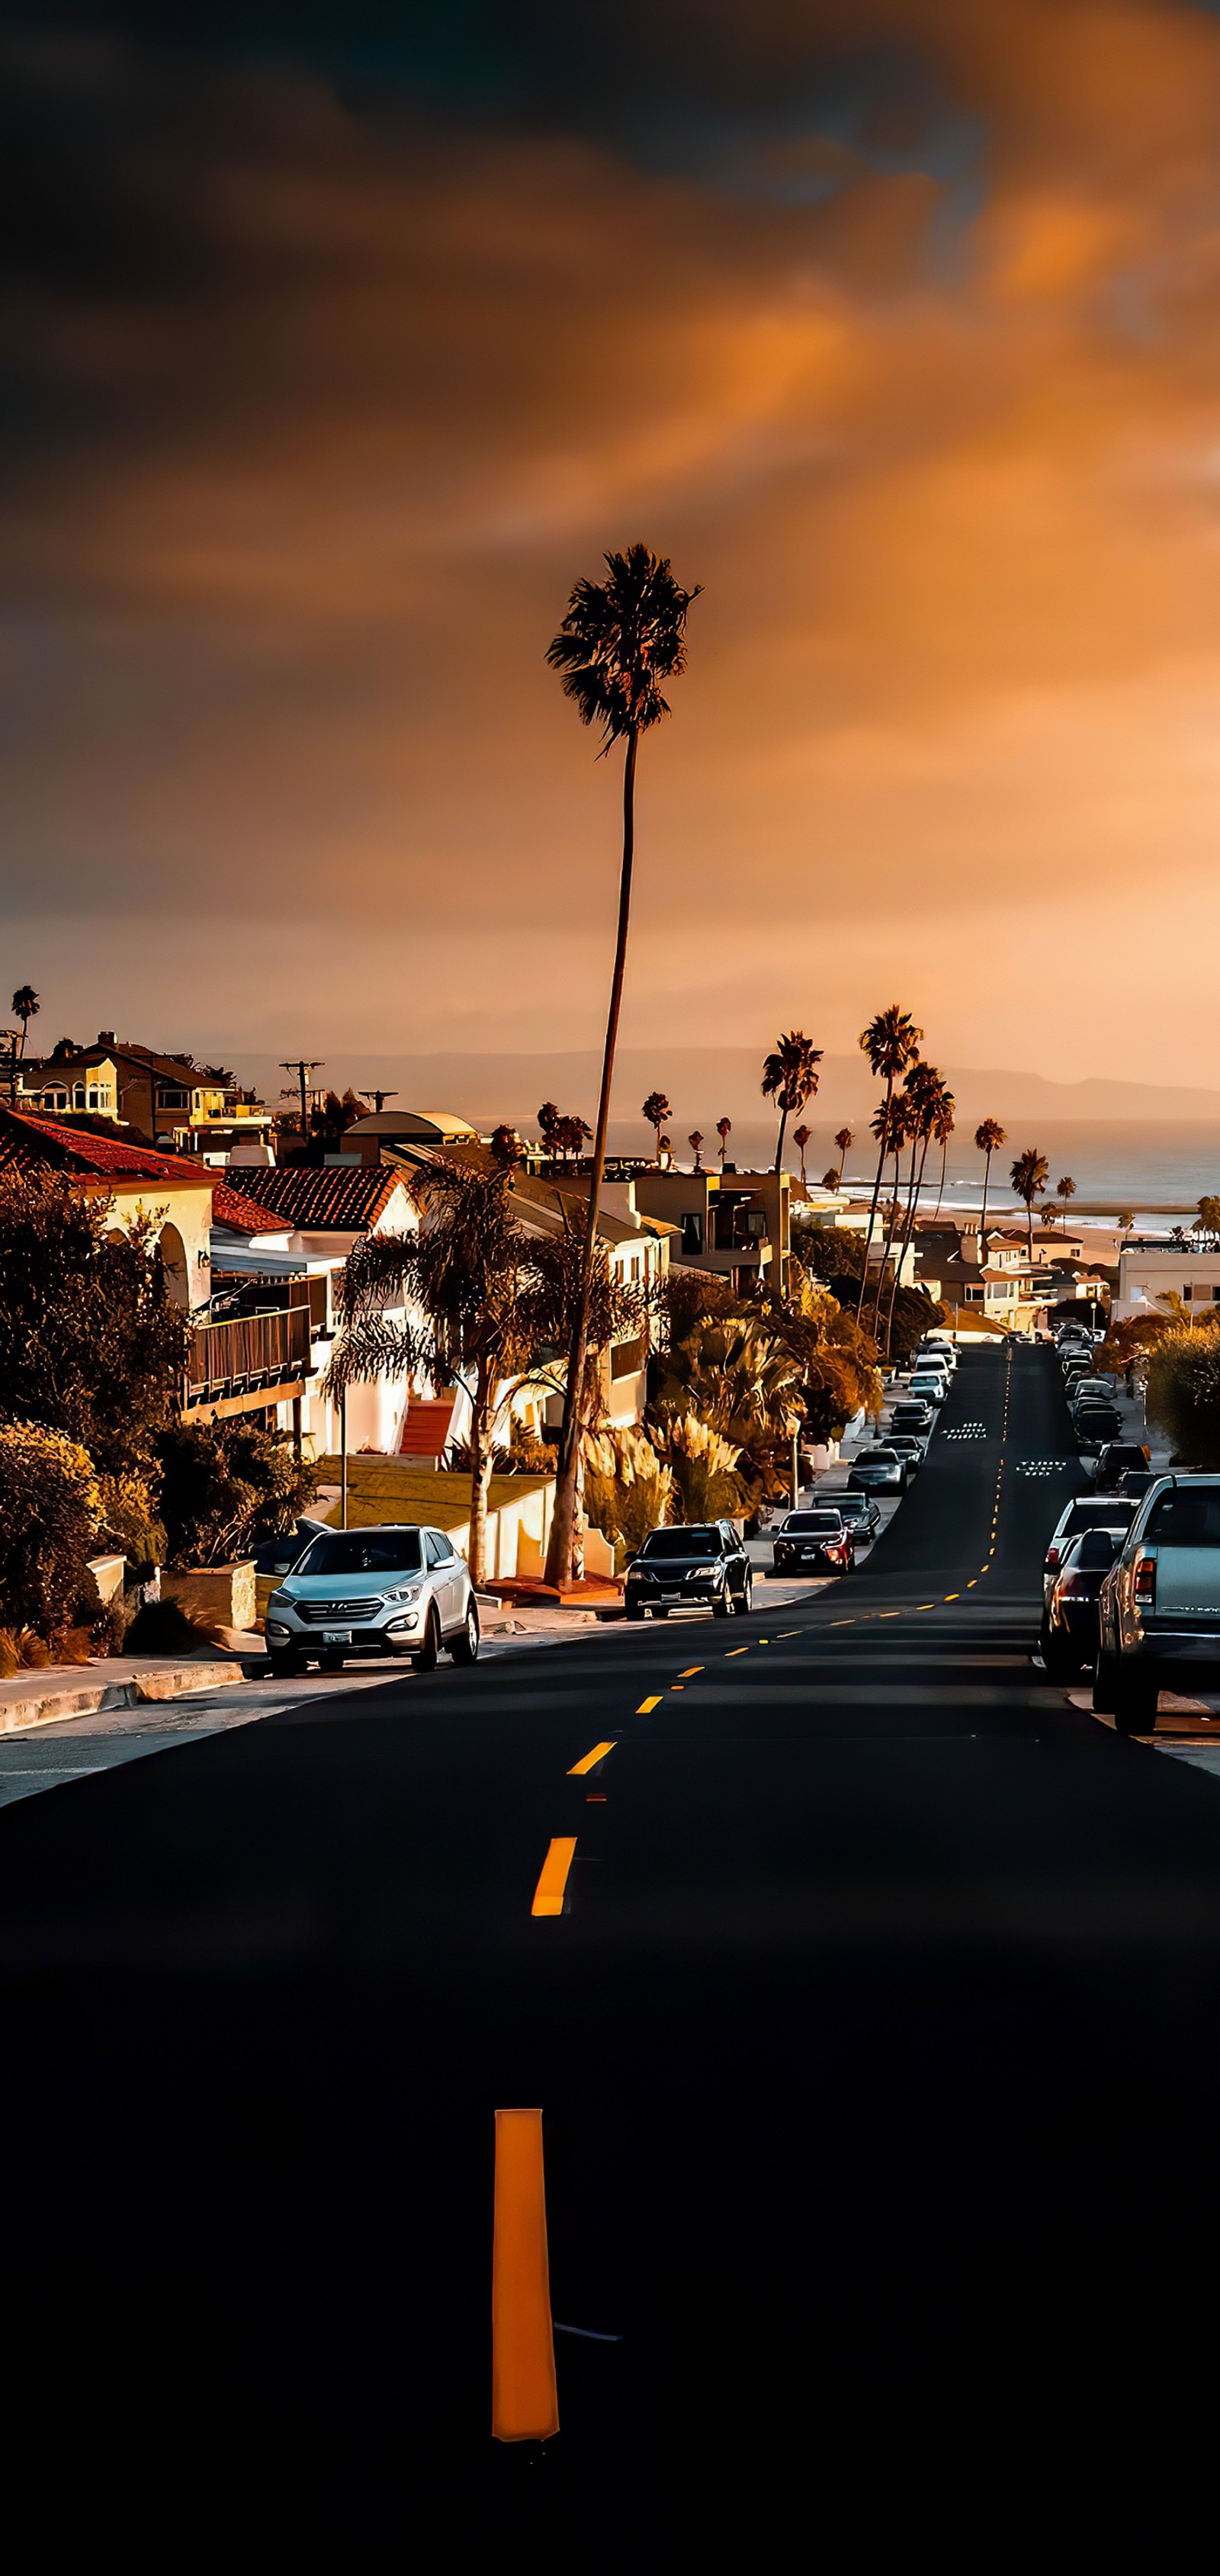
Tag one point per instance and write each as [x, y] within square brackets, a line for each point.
[877, 2050]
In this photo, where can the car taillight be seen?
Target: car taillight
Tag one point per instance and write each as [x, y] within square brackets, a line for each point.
[1052, 1559]
[1144, 1584]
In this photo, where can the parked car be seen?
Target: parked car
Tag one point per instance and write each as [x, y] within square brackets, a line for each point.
[1119, 1458]
[1094, 1424]
[937, 1346]
[929, 1384]
[1159, 1615]
[699, 1563]
[815, 1542]
[1085, 1389]
[908, 1447]
[394, 1589]
[1138, 1481]
[1068, 1636]
[878, 1471]
[1086, 1512]
[861, 1515]
[278, 1555]
[912, 1416]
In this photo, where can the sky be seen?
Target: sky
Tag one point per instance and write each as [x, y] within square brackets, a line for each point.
[340, 340]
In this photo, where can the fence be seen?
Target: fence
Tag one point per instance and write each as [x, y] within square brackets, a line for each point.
[245, 1352]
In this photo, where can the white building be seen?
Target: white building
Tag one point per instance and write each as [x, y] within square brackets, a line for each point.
[1146, 1273]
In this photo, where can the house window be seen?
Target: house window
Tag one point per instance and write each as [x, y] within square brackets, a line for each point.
[692, 1233]
[173, 1100]
[78, 1096]
[93, 1097]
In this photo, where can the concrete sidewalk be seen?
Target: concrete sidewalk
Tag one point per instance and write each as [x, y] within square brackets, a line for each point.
[42, 1698]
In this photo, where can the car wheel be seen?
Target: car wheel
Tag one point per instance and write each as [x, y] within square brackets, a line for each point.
[464, 1648]
[747, 1596]
[1058, 1655]
[426, 1654]
[331, 1663]
[633, 1611]
[283, 1667]
[724, 1605]
[1135, 1697]
[1105, 1681]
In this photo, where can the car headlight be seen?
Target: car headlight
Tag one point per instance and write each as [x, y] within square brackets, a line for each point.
[698, 1570]
[403, 1592]
[279, 1601]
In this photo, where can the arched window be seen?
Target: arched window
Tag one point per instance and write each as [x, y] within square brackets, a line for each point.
[78, 1096]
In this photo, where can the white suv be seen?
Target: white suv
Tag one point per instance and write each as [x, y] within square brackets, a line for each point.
[395, 1589]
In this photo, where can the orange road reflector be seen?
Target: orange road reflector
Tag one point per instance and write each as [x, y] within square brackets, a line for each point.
[647, 1706]
[953, 1596]
[553, 1877]
[925, 1605]
[737, 1650]
[589, 1761]
[692, 1669]
[524, 2398]
[889, 1614]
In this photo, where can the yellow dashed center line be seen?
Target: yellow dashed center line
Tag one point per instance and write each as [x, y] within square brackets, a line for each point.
[553, 1877]
[647, 1706]
[690, 1672]
[785, 1633]
[736, 1650]
[589, 1761]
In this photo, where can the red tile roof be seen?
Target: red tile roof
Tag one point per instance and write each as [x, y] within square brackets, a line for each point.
[32, 1143]
[343, 1198]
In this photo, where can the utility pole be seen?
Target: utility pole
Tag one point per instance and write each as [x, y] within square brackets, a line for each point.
[302, 1067]
[10, 1040]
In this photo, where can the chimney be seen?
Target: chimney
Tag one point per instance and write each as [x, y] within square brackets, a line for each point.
[105, 1037]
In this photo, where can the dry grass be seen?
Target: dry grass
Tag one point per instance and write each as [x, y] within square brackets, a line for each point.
[395, 1489]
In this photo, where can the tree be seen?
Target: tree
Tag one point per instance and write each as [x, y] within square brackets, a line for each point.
[1065, 1190]
[928, 1109]
[227, 1485]
[48, 1527]
[890, 1125]
[724, 1129]
[730, 1374]
[790, 1076]
[628, 1491]
[1183, 1396]
[1029, 1175]
[90, 1342]
[620, 640]
[26, 1007]
[891, 1042]
[505, 1147]
[844, 1139]
[548, 1128]
[657, 1111]
[988, 1136]
[943, 1124]
[800, 1138]
[572, 1135]
[701, 1464]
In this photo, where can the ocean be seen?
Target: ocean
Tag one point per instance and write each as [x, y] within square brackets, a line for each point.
[1143, 1165]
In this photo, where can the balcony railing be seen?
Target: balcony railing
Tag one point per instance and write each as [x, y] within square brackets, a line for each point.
[245, 1353]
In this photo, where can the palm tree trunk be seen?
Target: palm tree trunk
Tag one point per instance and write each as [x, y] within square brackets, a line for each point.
[944, 1166]
[983, 1233]
[564, 1524]
[783, 1121]
[907, 1232]
[881, 1163]
[482, 1453]
[891, 1228]
[1029, 1227]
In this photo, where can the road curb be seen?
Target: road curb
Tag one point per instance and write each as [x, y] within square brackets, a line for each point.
[139, 1690]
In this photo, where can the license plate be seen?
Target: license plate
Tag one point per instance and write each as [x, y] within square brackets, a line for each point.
[336, 1636]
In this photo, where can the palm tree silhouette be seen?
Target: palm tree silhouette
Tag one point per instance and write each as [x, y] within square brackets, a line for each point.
[695, 1141]
[790, 1076]
[890, 1124]
[988, 1136]
[844, 1140]
[656, 1110]
[800, 1138]
[620, 640]
[26, 1005]
[1029, 1176]
[923, 1102]
[891, 1042]
[943, 1124]
[724, 1129]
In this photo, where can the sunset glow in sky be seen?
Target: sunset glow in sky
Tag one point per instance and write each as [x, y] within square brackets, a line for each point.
[340, 340]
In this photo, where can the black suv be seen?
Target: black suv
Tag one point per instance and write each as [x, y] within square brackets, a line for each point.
[699, 1564]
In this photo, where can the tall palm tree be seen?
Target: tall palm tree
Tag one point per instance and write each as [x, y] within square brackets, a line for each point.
[695, 1142]
[891, 1042]
[790, 1075]
[724, 1129]
[922, 1101]
[620, 640]
[890, 1125]
[844, 1139]
[1065, 1190]
[989, 1136]
[1029, 1176]
[942, 1129]
[657, 1111]
[26, 1005]
[800, 1138]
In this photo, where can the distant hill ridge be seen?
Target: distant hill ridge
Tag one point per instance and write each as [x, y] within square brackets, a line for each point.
[706, 1083]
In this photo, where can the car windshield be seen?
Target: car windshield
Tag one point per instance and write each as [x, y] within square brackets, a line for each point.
[802, 1522]
[854, 1507]
[1186, 1517]
[703, 1540]
[382, 1551]
[1111, 1515]
[878, 1458]
[1096, 1548]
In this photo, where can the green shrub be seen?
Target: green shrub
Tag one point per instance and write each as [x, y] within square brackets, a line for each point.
[48, 1527]
[129, 1523]
[227, 1485]
[162, 1628]
[1183, 1396]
